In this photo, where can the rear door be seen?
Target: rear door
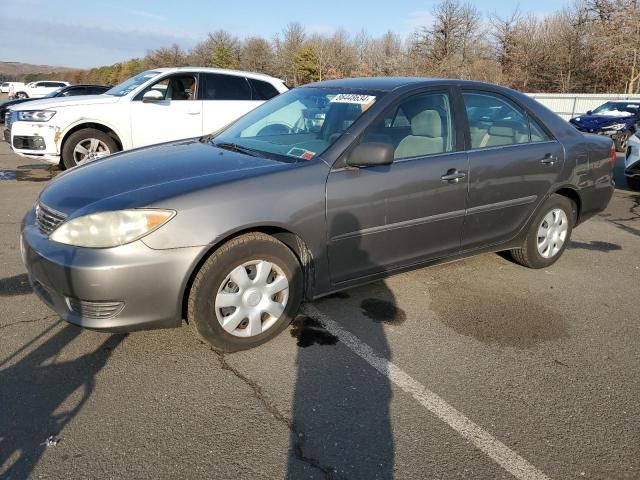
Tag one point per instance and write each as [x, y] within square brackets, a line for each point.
[385, 217]
[178, 115]
[513, 163]
[225, 98]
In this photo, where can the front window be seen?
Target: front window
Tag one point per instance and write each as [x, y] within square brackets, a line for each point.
[131, 84]
[617, 109]
[300, 124]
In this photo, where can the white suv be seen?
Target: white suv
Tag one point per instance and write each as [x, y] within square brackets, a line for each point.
[38, 89]
[155, 106]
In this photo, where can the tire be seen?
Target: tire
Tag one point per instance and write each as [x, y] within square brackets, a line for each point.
[529, 254]
[105, 146]
[633, 183]
[21, 95]
[622, 142]
[213, 282]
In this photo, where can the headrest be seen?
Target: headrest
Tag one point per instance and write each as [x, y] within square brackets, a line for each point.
[426, 124]
[501, 131]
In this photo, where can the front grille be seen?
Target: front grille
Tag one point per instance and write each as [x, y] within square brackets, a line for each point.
[48, 219]
[94, 310]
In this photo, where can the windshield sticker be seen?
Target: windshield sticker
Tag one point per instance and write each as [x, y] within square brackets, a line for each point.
[301, 153]
[353, 98]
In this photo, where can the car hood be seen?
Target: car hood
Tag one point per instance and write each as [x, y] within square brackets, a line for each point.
[141, 177]
[16, 101]
[57, 102]
[599, 121]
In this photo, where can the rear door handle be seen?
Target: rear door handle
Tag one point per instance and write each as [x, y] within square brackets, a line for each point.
[548, 159]
[453, 176]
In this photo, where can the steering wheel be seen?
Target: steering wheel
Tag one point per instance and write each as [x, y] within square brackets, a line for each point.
[274, 129]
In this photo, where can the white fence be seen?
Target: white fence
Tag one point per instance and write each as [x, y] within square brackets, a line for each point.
[569, 105]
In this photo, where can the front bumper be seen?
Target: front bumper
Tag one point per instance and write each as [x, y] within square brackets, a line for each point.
[632, 159]
[35, 140]
[131, 287]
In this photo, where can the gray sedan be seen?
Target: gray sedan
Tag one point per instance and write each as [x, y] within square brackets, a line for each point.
[323, 188]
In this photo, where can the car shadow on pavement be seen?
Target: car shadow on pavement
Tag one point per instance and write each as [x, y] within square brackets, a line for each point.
[16, 285]
[341, 405]
[594, 245]
[39, 396]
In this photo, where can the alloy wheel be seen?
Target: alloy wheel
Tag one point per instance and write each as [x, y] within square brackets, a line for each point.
[90, 149]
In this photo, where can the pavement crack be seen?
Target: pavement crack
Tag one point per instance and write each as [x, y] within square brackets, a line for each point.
[329, 472]
[48, 317]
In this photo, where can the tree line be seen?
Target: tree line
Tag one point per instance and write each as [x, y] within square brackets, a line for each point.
[588, 46]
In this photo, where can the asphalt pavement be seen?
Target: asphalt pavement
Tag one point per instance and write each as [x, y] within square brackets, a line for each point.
[478, 369]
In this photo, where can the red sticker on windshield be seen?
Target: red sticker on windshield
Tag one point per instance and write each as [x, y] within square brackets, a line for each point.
[307, 155]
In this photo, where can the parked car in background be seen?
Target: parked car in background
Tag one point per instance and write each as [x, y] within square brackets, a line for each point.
[235, 229]
[616, 119]
[155, 106]
[38, 89]
[9, 88]
[632, 163]
[70, 91]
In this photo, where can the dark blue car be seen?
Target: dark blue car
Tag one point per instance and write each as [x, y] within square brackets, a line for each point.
[617, 119]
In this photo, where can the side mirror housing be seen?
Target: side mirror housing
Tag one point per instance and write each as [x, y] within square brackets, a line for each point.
[370, 154]
[152, 96]
[589, 112]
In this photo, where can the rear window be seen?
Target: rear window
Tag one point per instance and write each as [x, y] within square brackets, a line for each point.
[262, 90]
[225, 87]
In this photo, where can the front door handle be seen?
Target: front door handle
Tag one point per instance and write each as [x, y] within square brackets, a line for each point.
[193, 113]
[548, 159]
[453, 176]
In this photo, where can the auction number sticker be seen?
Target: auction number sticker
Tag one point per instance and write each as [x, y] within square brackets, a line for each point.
[353, 98]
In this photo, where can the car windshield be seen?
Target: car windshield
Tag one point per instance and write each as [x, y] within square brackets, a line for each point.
[617, 109]
[55, 92]
[297, 125]
[132, 83]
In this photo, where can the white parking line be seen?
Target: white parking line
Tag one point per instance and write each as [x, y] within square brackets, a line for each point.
[494, 448]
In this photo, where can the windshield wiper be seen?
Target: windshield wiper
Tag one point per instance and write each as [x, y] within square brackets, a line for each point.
[234, 147]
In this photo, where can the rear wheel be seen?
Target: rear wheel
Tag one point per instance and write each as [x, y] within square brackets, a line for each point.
[86, 145]
[622, 142]
[246, 293]
[548, 235]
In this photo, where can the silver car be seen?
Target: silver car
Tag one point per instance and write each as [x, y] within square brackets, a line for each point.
[320, 189]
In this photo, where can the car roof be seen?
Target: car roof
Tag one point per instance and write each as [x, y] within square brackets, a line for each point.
[624, 101]
[87, 85]
[240, 73]
[388, 84]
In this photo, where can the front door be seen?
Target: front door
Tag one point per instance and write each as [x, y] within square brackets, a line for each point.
[176, 116]
[513, 163]
[385, 217]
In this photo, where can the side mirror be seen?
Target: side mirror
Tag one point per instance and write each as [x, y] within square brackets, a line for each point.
[370, 154]
[152, 96]
[589, 112]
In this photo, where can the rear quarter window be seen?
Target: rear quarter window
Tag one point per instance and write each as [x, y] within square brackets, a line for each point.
[262, 90]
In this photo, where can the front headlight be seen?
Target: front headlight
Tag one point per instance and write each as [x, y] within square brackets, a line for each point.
[35, 115]
[110, 229]
[615, 126]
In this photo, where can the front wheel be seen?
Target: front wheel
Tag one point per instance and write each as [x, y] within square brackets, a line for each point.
[246, 293]
[622, 142]
[633, 183]
[86, 145]
[548, 235]
[21, 95]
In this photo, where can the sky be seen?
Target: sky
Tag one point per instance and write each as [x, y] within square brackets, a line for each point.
[90, 33]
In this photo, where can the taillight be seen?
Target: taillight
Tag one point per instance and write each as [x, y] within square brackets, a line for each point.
[614, 156]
